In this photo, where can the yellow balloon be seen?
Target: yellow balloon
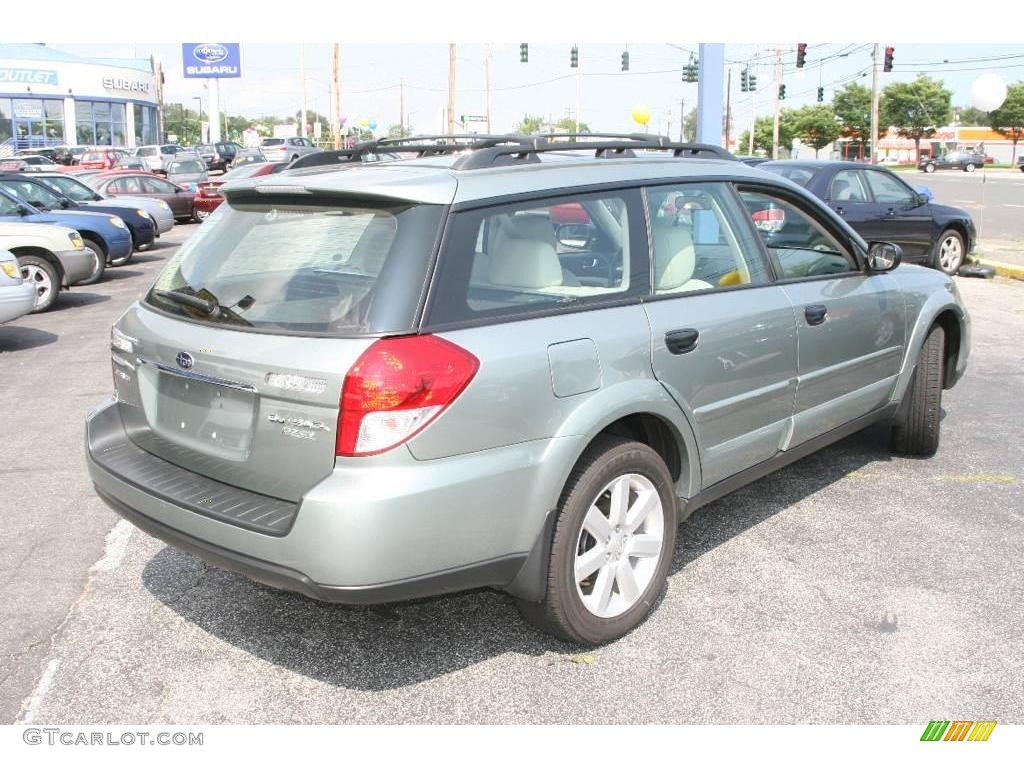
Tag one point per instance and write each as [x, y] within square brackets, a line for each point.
[642, 115]
[365, 123]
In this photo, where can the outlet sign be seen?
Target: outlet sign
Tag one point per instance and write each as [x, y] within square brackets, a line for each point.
[211, 59]
[28, 76]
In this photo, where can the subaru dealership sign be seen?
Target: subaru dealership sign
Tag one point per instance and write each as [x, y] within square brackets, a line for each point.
[211, 59]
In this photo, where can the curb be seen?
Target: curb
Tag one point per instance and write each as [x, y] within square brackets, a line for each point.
[1012, 271]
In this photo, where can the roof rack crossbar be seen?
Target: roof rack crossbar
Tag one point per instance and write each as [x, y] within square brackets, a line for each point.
[510, 154]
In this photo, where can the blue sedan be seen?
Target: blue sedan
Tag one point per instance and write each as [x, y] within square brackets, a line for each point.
[106, 236]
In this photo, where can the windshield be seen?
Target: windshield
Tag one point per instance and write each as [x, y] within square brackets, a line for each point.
[271, 142]
[299, 268]
[91, 157]
[242, 172]
[72, 188]
[186, 166]
[34, 194]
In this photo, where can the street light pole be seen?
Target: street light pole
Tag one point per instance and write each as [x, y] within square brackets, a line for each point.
[874, 106]
[199, 120]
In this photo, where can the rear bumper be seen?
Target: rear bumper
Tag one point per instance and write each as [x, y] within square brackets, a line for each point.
[77, 264]
[207, 204]
[15, 301]
[393, 528]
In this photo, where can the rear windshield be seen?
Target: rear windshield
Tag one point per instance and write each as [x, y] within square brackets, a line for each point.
[271, 142]
[795, 174]
[89, 157]
[242, 172]
[319, 269]
[186, 166]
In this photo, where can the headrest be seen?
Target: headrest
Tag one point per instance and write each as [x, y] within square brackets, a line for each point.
[521, 263]
[674, 256]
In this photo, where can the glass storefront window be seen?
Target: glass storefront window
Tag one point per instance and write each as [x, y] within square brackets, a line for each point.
[33, 122]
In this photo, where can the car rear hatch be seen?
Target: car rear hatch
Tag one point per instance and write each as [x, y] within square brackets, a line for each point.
[232, 366]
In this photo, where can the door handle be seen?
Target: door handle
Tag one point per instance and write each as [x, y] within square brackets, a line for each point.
[815, 314]
[682, 341]
[840, 210]
[892, 212]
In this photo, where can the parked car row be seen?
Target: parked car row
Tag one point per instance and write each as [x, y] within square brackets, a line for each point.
[64, 232]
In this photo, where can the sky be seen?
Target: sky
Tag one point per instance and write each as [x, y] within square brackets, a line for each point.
[372, 72]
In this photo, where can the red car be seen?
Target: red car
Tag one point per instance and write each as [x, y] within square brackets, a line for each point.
[208, 197]
[142, 184]
[100, 159]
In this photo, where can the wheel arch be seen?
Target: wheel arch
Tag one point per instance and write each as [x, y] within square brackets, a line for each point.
[43, 253]
[88, 234]
[936, 311]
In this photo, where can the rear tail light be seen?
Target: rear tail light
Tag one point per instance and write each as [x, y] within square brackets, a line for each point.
[396, 388]
[769, 219]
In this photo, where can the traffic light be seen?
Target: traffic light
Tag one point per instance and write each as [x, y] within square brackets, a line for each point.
[574, 57]
[821, 94]
[691, 71]
[752, 82]
[782, 91]
[524, 52]
[744, 81]
[625, 61]
[801, 54]
[889, 51]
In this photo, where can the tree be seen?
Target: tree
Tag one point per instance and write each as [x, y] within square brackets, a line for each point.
[1009, 118]
[972, 116]
[397, 132]
[530, 124]
[690, 126]
[916, 109]
[816, 125]
[568, 125]
[763, 128]
[852, 106]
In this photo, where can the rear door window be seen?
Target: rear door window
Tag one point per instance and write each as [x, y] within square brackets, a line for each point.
[525, 258]
[699, 242]
[847, 186]
[302, 268]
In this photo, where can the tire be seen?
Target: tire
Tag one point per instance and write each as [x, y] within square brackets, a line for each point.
[572, 609]
[917, 431]
[969, 168]
[930, 168]
[44, 276]
[100, 262]
[948, 252]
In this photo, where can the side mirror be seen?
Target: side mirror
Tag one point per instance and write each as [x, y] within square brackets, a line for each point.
[22, 210]
[884, 257]
[574, 235]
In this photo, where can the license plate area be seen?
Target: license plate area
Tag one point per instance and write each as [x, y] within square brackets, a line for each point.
[206, 417]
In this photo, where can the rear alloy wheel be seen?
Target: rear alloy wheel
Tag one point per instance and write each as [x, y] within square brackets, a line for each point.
[949, 252]
[201, 215]
[42, 275]
[99, 262]
[612, 547]
[916, 432]
[930, 168]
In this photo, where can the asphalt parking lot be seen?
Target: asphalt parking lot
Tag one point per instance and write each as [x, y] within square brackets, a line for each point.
[851, 587]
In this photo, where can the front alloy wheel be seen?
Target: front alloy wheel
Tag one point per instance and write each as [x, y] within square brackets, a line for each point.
[950, 252]
[930, 168]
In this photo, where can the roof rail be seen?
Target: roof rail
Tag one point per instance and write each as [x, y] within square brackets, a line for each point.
[487, 157]
[489, 150]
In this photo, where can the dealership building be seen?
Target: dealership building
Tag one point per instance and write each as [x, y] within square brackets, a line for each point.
[50, 98]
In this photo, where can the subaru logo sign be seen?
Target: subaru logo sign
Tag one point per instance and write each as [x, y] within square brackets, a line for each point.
[210, 53]
[211, 60]
[184, 360]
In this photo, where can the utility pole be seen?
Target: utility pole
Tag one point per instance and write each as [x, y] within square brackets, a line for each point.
[401, 108]
[682, 119]
[874, 104]
[579, 95]
[728, 106]
[451, 87]
[336, 96]
[487, 80]
[778, 82]
[302, 78]
[753, 120]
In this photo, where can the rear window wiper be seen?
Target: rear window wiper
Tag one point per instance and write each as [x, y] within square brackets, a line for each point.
[209, 307]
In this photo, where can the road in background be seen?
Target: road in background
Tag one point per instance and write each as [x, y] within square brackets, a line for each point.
[851, 587]
[995, 200]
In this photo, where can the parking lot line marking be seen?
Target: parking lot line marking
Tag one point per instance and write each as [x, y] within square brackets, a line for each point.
[42, 688]
[116, 544]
